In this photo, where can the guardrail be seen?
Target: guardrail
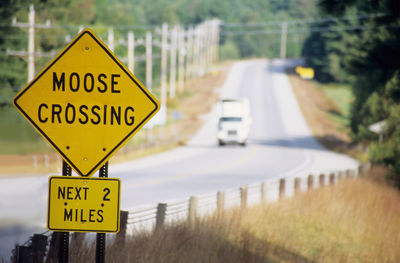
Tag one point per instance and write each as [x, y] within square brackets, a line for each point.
[153, 218]
[189, 210]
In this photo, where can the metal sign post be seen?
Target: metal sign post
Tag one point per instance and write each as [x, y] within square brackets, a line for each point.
[64, 236]
[101, 237]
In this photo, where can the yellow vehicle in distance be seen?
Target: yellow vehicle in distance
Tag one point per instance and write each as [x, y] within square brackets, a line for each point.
[305, 73]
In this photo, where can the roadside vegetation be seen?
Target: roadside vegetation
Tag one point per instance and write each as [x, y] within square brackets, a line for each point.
[326, 108]
[354, 221]
[365, 55]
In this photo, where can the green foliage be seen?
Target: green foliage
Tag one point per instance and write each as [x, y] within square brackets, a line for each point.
[343, 97]
[229, 51]
[372, 57]
[387, 150]
[12, 70]
[325, 48]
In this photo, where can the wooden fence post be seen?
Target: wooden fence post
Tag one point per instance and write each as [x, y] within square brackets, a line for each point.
[282, 188]
[59, 247]
[264, 190]
[52, 255]
[192, 210]
[310, 182]
[340, 175]
[39, 244]
[123, 222]
[297, 182]
[347, 174]
[332, 179]
[368, 166]
[160, 216]
[321, 180]
[23, 254]
[220, 203]
[360, 170]
[243, 197]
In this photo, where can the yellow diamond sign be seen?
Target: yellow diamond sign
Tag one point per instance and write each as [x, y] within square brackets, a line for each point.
[86, 103]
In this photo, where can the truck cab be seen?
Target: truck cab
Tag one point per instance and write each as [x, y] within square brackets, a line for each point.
[233, 121]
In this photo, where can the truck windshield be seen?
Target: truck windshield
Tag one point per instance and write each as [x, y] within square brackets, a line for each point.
[235, 119]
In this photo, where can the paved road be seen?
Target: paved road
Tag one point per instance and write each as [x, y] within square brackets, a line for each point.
[280, 145]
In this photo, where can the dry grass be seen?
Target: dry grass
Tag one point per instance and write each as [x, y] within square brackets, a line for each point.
[317, 108]
[355, 221]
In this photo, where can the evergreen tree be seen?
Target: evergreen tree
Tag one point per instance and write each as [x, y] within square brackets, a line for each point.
[374, 61]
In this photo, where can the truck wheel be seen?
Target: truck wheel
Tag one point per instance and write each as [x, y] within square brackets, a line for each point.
[243, 144]
[221, 143]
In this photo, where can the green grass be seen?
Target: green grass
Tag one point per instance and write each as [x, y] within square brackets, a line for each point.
[342, 96]
[17, 136]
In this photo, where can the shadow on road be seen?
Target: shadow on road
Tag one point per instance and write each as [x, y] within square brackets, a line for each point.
[307, 142]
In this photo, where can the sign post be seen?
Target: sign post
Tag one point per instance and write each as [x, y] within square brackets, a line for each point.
[64, 236]
[87, 105]
[101, 237]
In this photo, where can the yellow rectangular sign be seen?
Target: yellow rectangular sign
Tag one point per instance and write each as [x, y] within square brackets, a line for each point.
[80, 204]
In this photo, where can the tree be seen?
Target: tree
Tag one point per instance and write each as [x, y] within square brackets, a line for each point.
[374, 61]
[12, 72]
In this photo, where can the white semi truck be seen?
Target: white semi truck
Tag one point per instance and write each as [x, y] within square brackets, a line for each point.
[234, 121]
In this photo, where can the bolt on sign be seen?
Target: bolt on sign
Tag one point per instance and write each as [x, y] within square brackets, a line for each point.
[86, 103]
[83, 204]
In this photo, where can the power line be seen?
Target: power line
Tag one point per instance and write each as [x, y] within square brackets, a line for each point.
[305, 21]
[306, 30]
[223, 24]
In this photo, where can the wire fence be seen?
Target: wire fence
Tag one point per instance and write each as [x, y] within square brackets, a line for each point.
[192, 209]
[268, 191]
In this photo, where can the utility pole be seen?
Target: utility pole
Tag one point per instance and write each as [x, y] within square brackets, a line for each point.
[202, 49]
[164, 48]
[196, 52]
[111, 39]
[131, 52]
[172, 78]
[149, 61]
[31, 42]
[212, 40]
[215, 40]
[181, 59]
[283, 39]
[189, 53]
[208, 36]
